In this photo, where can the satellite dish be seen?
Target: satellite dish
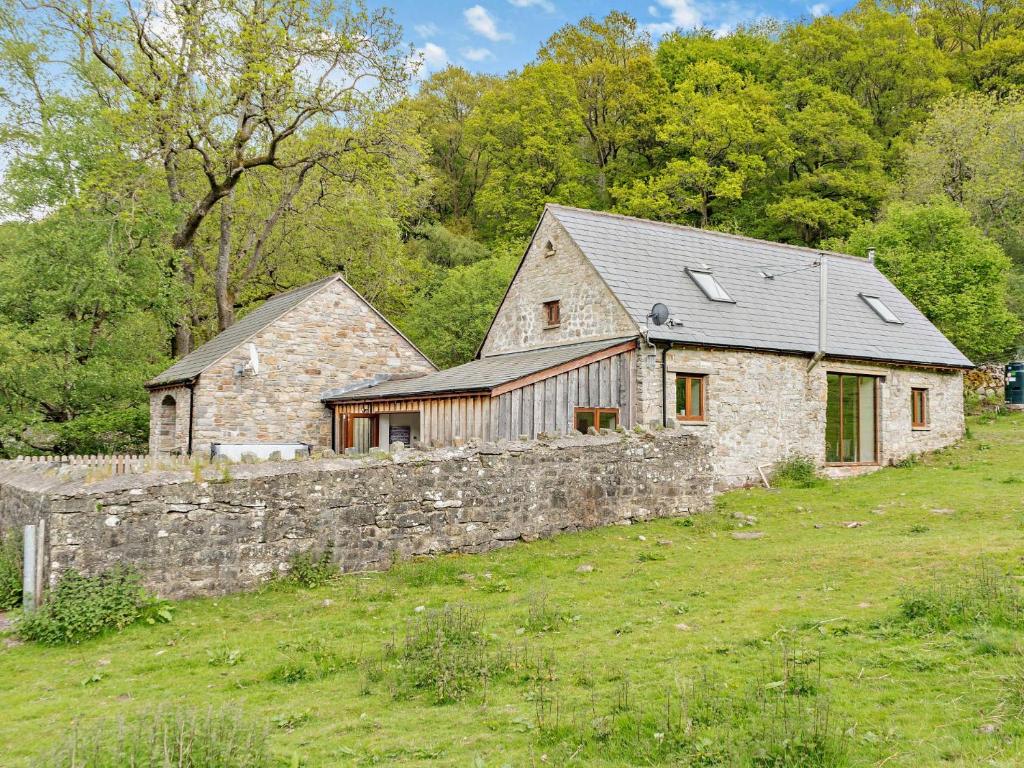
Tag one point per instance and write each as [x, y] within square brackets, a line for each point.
[254, 359]
[659, 314]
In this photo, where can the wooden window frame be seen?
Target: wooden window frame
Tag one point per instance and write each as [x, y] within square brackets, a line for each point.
[876, 400]
[689, 415]
[919, 393]
[552, 313]
[597, 415]
[347, 429]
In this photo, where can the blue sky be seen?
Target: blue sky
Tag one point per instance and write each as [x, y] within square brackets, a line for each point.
[499, 35]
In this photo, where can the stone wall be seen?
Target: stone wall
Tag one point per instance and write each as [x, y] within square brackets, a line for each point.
[589, 310]
[762, 408]
[216, 537]
[168, 431]
[331, 339]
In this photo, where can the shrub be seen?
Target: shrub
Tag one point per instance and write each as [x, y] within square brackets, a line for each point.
[796, 472]
[10, 571]
[311, 570]
[177, 738]
[985, 595]
[80, 607]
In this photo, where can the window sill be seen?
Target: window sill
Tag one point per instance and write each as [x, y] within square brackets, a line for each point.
[920, 429]
[693, 423]
[552, 327]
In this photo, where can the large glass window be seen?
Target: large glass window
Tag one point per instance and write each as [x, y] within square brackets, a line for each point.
[851, 417]
[919, 408]
[689, 397]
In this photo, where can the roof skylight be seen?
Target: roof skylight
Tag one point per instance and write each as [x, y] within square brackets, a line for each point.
[881, 309]
[709, 285]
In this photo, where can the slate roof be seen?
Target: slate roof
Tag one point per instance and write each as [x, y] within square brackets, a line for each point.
[480, 375]
[193, 364]
[644, 262]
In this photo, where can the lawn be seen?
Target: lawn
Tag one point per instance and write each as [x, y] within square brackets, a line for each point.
[668, 643]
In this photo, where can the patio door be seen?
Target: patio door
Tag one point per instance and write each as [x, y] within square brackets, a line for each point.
[359, 431]
[851, 419]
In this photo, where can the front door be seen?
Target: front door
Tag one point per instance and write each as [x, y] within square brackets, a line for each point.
[851, 419]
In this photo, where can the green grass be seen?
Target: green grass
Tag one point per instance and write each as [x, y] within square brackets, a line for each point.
[895, 643]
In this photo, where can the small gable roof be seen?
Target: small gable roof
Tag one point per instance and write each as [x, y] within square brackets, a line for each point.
[197, 361]
[644, 262]
[481, 375]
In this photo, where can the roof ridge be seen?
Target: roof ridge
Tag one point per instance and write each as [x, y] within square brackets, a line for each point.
[716, 232]
[599, 340]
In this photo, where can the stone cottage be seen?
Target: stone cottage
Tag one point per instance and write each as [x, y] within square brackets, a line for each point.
[256, 386]
[766, 350]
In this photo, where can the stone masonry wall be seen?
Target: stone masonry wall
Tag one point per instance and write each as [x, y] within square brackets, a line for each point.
[165, 437]
[762, 408]
[588, 308]
[329, 340]
[216, 537]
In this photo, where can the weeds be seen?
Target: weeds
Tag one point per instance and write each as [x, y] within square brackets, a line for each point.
[542, 615]
[797, 471]
[183, 739]
[81, 607]
[311, 570]
[985, 595]
[10, 570]
[428, 571]
[311, 659]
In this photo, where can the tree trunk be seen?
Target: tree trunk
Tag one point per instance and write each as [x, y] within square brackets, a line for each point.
[225, 301]
[183, 326]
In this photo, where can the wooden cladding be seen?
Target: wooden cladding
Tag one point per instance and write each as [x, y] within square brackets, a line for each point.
[540, 404]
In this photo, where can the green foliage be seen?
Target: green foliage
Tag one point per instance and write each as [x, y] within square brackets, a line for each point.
[985, 595]
[948, 268]
[182, 738]
[82, 607]
[312, 570]
[797, 472]
[10, 570]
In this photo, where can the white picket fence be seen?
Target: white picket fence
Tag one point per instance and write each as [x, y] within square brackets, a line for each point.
[119, 464]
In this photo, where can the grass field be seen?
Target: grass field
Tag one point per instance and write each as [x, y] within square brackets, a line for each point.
[667, 643]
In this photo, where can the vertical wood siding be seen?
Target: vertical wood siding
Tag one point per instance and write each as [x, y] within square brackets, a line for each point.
[545, 406]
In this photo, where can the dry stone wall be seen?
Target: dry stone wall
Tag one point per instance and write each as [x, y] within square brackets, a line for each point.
[215, 537]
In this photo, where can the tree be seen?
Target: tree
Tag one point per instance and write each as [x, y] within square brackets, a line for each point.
[834, 179]
[213, 90]
[954, 274]
[971, 150]
[876, 58]
[721, 134]
[528, 127]
[617, 88]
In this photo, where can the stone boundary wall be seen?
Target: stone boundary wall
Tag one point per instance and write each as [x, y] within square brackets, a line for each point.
[230, 533]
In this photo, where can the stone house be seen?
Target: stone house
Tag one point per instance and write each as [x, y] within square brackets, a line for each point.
[766, 350]
[257, 385]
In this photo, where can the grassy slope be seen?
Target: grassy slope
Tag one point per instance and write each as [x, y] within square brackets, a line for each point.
[909, 700]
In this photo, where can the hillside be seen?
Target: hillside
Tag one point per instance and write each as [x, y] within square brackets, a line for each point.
[879, 602]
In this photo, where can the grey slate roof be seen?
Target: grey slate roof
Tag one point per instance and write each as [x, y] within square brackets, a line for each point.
[644, 262]
[477, 375]
[194, 363]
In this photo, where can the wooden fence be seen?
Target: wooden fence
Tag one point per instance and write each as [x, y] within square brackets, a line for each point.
[120, 464]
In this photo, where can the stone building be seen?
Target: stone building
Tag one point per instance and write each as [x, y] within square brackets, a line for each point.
[257, 385]
[766, 350]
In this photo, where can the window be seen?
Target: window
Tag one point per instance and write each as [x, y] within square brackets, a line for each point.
[689, 397]
[881, 309]
[552, 313]
[709, 285]
[851, 419]
[599, 418]
[919, 408]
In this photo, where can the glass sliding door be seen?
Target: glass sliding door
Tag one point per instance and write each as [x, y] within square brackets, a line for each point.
[851, 419]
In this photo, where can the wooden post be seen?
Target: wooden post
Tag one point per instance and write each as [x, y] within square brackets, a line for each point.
[28, 580]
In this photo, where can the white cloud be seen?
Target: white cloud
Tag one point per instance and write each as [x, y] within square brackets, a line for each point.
[426, 30]
[683, 14]
[481, 22]
[546, 5]
[476, 54]
[818, 9]
[653, 10]
[434, 56]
